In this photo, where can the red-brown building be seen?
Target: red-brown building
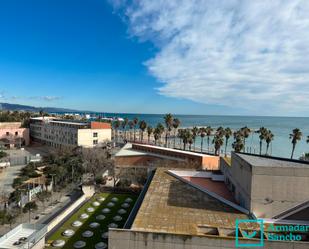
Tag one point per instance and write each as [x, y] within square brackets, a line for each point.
[148, 155]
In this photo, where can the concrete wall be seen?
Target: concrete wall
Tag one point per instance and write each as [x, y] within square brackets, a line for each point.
[86, 138]
[21, 133]
[276, 189]
[128, 239]
[210, 162]
[266, 190]
[143, 160]
[238, 178]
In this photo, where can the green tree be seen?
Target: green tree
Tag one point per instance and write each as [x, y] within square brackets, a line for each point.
[238, 143]
[186, 137]
[228, 134]
[168, 120]
[176, 124]
[262, 135]
[30, 207]
[131, 126]
[116, 125]
[43, 197]
[194, 133]
[156, 134]
[135, 122]
[149, 132]
[142, 126]
[218, 141]
[269, 136]
[295, 136]
[202, 132]
[124, 126]
[245, 133]
[209, 131]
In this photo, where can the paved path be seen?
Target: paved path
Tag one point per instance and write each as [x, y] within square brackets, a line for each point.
[7, 177]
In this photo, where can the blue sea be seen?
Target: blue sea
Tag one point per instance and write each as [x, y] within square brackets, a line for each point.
[281, 127]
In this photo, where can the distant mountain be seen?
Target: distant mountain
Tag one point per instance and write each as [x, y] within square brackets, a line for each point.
[17, 107]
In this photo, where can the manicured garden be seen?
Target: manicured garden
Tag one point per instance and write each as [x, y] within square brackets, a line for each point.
[88, 227]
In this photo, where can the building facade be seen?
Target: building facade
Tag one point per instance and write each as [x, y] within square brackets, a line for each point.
[12, 135]
[267, 186]
[58, 133]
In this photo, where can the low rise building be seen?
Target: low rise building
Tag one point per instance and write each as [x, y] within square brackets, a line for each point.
[267, 186]
[143, 155]
[58, 133]
[193, 209]
[12, 135]
[30, 236]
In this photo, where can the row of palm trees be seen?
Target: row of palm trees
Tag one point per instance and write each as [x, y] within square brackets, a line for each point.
[170, 122]
[220, 136]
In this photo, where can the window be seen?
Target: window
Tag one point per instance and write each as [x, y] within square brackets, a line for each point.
[95, 141]
[7, 133]
[95, 134]
[16, 133]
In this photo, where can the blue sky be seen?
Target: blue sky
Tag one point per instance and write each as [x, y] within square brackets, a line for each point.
[127, 56]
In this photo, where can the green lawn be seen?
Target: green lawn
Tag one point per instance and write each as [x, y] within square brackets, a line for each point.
[90, 242]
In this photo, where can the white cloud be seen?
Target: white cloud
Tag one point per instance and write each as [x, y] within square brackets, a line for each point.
[50, 98]
[251, 54]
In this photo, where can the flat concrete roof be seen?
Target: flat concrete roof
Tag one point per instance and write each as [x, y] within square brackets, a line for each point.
[175, 150]
[258, 161]
[26, 231]
[127, 150]
[60, 121]
[173, 206]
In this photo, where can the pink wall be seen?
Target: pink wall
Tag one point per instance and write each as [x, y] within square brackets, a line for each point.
[22, 132]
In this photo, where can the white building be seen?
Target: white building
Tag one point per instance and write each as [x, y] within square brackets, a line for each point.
[57, 133]
[25, 236]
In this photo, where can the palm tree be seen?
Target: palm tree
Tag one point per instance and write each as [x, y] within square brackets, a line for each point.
[269, 136]
[184, 135]
[131, 125]
[124, 126]
[161, 129]
[168, 119]
[307, 140]
[238, 143]
[295, 136]
[218, 142]
[202, 133]
[156, 135]
[149, 132]
[208, 134]
[190, 140]
[220, 130]
[228, 134]
[194, 134]
[135, 121]
[262, 131]
[246, 132]
[176, 124]
[142, 126]
[116, 126]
